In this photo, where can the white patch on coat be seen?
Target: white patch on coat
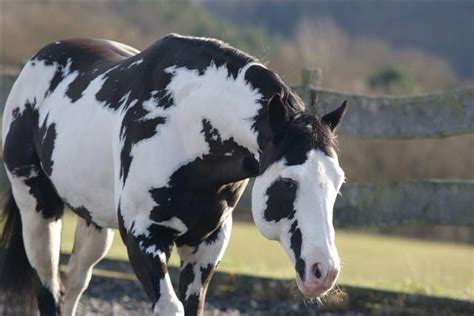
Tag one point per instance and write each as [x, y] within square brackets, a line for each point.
[168, 303]
[228, 103]
[174, 223]
[153, 251]
[30, 86]
[83, 170]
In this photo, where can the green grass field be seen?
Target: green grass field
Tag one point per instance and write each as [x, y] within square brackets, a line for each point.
[391, 263]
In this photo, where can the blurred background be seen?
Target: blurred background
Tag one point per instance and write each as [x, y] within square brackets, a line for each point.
[372, 48]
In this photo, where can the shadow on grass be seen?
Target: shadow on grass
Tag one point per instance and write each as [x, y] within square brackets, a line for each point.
[249, 294]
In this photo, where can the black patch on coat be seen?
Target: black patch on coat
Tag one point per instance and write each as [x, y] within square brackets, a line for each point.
[235, 161]
[206, 273]
[91, 58]
[295, 244]
[269, 84]
[150, 270]
[84, 55]
[46, 303]
[186, 277]
[201, 211]
[192, 305]
[82, 52]
[160, 236]
[303, 133]
[213, 237]
[134, 130]
[300, 267]
[84, 213]
[22, 160]
[281, 198]
[195, 302]
[45, 145]
[19, 148]
[59, 76]
[199, 53]
[199, 192]
[49, 204]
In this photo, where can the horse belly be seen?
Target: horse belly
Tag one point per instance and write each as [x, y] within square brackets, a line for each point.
[82, 159]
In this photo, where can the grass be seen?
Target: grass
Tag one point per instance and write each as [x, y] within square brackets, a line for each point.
[383, 262]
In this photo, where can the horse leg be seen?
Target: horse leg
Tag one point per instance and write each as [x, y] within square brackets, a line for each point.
[91, 243]
[41, 209]
[197, 267]
[149, 254]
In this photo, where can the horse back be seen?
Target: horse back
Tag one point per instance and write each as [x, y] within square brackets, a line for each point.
[56, 121]
[84, 52]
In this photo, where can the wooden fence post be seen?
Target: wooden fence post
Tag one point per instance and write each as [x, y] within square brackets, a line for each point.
[310, 79]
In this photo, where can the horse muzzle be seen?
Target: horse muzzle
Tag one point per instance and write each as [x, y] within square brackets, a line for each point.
[319, 280]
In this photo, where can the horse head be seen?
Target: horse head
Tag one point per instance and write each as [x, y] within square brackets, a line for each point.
[293, 198]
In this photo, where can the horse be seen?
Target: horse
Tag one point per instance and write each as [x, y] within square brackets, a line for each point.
[160, 145]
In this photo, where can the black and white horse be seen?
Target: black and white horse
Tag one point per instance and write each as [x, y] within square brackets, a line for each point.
[160, 144]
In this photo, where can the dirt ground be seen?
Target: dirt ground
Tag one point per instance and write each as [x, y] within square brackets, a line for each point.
[245, 295]
[231, 294]
[115, 297]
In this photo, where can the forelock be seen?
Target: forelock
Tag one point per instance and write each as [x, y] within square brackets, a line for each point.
[306, 132]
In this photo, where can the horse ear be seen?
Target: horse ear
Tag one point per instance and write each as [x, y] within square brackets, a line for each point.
[332, 119]
[278, 116]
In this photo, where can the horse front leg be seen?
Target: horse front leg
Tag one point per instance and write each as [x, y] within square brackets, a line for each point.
[149, 253]
[197, 267]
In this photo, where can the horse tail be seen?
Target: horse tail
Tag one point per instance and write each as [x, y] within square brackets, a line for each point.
[18, 279]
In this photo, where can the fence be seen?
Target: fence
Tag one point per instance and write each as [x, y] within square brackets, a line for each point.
[436, 201]
[425, 201]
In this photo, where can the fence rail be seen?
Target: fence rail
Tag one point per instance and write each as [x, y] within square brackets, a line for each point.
[446, 201]
[430, 201]
[435, 115]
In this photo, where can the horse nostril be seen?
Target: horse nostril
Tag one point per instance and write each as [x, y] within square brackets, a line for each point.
[317, 271]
